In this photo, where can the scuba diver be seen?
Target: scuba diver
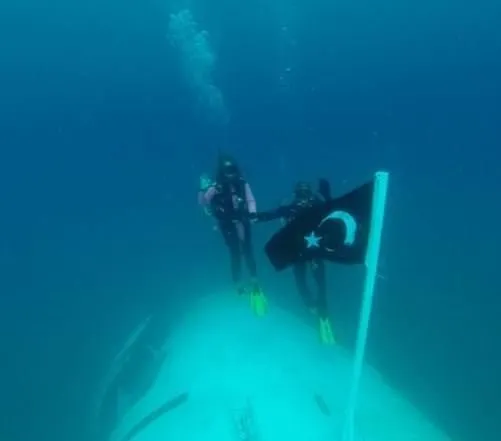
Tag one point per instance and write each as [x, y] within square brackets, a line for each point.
[304, 198]
[229, 199]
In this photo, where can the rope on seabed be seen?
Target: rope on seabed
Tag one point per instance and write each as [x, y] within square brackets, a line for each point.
[153, 416]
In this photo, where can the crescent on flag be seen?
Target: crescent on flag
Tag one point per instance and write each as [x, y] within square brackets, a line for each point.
[349, 222]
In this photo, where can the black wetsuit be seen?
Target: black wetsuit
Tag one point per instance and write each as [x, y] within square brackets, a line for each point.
[288, 213]
[230, 220]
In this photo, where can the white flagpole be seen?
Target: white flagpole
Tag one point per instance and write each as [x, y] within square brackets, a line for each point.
[371, 263]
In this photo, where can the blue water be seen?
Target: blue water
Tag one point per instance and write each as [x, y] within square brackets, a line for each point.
[102, 141]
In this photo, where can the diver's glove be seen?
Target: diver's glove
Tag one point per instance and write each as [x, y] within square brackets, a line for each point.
[324, 188]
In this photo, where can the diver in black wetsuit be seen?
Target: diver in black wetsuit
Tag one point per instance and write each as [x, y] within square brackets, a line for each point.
[305, 197]
[231, 202]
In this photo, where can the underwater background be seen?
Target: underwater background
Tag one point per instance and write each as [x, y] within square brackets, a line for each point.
[109, 113]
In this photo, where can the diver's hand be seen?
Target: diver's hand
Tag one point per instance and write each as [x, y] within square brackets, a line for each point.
[324, 188]
[253, 218]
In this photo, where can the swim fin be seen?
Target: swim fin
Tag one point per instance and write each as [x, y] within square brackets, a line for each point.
[326, 334]
[258, 301]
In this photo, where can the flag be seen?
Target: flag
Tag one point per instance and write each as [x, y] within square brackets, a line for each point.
[346, 230]
[337, 230]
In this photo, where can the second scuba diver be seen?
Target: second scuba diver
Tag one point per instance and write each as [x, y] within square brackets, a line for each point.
[229, 199]
[304, 198]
